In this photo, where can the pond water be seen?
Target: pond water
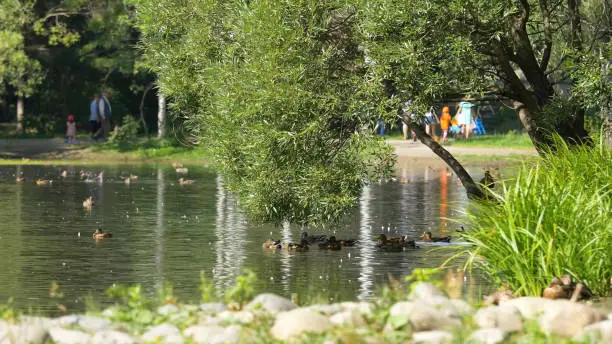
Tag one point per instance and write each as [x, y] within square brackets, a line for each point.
[166, 232]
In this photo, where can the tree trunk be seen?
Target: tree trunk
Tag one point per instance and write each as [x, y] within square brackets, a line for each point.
[161, 115]
[19, 114]
[474, 191]
[141, 108]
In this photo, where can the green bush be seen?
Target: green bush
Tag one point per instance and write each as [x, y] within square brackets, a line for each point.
[553, 219]
[40, 124]
[128, 131]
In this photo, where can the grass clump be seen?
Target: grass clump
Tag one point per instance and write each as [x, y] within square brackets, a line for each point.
[511, 139]
[555, 218]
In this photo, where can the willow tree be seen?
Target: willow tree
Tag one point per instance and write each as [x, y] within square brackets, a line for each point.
[270, 86]
[285, 93]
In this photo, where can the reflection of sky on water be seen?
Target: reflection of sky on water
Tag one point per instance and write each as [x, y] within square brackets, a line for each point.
[167, 232]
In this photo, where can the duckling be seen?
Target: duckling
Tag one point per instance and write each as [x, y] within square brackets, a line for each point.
[396, 244]
[301, 247]
[20, 179]
[312, 239]
[382, 239]
[176, 165]
[555, 290]
[43, 182]
[331, 244]
[428, 238]
[64, 173]
[183, 181]
[575, 291]
[488, 180]
[182, 170]
[100, 234]
[83, 174]
[127, 181]
[133, 177]
[88, 203]
[272, 244]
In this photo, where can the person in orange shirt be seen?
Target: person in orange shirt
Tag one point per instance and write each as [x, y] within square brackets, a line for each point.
[445, 120]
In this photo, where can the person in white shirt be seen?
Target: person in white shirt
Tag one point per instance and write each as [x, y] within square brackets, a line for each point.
[105, 112]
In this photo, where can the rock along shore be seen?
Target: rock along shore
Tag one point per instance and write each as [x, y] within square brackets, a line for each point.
[426, 316]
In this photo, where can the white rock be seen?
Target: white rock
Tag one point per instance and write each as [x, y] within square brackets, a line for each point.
[271, 303]
[601, 330]
[63, 336]
[347, 318]
[86, 322]
[487, 336]
[462, 307]
[443, 304]
[432, 337]
[165, 333]
[167, 309]
[424, 291]
[504, 317]
[46, 323]
[326, 309]
[423, 317]
[297, 321]
[111, 337]
[244, 317]
[568, 318]
[531, 307]
[362, 307]
[213, 307]
[28, 333]
[214, 334]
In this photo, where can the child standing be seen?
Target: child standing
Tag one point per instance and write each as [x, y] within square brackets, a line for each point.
[70, 129]
[445, 121]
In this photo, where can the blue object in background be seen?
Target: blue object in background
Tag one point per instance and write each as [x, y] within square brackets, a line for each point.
[381, 127]
[479, 128]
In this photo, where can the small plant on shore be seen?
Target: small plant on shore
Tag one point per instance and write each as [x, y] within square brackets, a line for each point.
[244, 290]
[554, 219]
[128, 131]
[207, 289]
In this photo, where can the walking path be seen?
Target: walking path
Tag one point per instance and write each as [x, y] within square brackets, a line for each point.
[32, 148]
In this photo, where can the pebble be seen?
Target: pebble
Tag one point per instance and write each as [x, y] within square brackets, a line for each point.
[504, 317]
[487, 336]
[326, 309]
[63, 336]
[167, 309]
[112, 337]
[244, 317]
[213, 334]
[423, 317]
[86, 322]
[568, 318]
[348, 318]
[602, 329]
[22, 333]
[297, 321]
[271, 303]
[213, 307]
[432, 337]
[165, 333]
[424, 291]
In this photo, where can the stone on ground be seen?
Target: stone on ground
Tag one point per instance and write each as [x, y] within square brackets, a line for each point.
[487, 336]
[504, 317]
[164, 333]
[347, 318]
[423, 317]
[214, 334]
[213, 307]
[531, 307]
[63, 336]
[601, 330]
[297, 321]
[326, 309]
[569, 318]
[167, 309]
[432, 337]
[86, 322]
[424, 291]
[243, 317]
[271, 303]
[112, 337]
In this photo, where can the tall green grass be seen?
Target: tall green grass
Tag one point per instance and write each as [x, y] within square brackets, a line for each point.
[555, 218]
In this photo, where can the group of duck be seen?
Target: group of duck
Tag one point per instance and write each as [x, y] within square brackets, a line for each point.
[393, 244]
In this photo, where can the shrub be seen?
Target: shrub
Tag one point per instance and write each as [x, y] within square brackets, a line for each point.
[127, 132]
[553, 219]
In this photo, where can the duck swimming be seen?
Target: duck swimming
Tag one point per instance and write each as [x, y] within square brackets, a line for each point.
[276, 244]
[88, 203]
[301, 247]
[428, 238]
[488, 180]
[64, 173]
[182, 170]
[331, 244]
[176, 165]
[313, 239]
[43, 182]
[100, 234]
[20, 179]
[184, 181]
[395, 244]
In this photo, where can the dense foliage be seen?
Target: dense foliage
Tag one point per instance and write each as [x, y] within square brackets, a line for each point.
[554, 219]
